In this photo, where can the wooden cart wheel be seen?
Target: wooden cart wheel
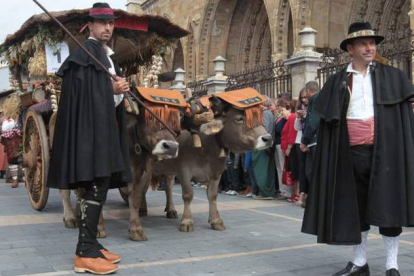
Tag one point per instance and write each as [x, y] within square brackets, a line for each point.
[36, 159]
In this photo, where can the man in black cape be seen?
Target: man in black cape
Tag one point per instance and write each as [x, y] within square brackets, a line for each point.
[90, 147]
[364, 167]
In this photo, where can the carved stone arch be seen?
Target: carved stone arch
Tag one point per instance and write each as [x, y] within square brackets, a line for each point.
[248, 37]
[267, 48]
[205, 34]
[388, 17]
[260, 39]
[396, 22]
[284, 15]
[191, 62]
[218, 43]
[403, 27]
[249, 27]
[236, 35]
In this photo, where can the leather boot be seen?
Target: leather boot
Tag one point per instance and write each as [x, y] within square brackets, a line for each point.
[98, 266]
[110, 256]
[88, 246]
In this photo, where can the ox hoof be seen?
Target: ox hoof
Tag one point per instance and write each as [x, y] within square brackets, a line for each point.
[137, 235]
[101, 234]
[143, 212]
[187, 226]
[172, 214]
[70, 223]
[218, 225]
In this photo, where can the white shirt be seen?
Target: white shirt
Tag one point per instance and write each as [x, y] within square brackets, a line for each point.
[117, 98]
[297, 127]
[361, 105]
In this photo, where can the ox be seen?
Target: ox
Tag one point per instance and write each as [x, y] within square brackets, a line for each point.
[238, 132]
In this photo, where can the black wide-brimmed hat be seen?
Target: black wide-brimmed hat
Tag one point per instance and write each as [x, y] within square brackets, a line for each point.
[360, 30]
[102, 11]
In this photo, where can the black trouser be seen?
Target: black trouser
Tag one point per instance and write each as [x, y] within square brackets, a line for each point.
[310, 155]
[303, 180]
[91, 207]
[362, 160]
[224, 181]
[235, 178]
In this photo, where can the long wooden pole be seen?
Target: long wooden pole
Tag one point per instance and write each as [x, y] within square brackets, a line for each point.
[103, 67]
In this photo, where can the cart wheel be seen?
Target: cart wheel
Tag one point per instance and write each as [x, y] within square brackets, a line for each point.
[36, 159]
[124, 194]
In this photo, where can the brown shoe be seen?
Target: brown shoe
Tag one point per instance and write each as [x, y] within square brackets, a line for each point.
[112, 257]
[15, 184]
[98, 266]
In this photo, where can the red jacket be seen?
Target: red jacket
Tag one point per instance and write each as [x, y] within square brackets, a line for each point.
[288, 135]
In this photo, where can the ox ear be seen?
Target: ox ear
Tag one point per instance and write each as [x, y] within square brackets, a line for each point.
[213, 127]
[217, 106]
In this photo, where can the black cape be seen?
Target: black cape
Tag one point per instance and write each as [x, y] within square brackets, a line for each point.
[90, 137]
[331, 211]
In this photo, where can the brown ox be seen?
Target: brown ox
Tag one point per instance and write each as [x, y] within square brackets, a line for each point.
[146, 141]
[205, 164]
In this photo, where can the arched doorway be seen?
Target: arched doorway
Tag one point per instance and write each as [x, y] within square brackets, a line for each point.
[237, 30]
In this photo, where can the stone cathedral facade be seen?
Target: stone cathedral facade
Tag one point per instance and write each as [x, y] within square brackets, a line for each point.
[251, 33]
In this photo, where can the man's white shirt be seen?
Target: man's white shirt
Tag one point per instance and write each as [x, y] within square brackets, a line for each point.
[361, 105]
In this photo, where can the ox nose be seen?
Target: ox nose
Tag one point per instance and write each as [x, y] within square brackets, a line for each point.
[264, 141]
[166, 149]
[171, 148]
[267, 138]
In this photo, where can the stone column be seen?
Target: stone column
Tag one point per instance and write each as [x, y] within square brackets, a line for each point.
[134, 6]
[179, 81]
[218, 82]
[305, 63]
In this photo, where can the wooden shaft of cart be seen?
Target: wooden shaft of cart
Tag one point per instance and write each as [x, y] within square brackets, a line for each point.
[104, 68]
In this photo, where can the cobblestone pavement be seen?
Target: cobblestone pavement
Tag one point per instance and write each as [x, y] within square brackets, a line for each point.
[262, 238]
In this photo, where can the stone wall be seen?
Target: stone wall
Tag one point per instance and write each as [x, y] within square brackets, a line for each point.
[249, 33]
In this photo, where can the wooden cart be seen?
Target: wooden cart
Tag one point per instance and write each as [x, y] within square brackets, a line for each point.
[136, 39]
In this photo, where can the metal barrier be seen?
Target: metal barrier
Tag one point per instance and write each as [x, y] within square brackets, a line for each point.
[271, 80]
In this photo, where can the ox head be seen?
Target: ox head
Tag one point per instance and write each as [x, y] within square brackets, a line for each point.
[240, 129]
[150, 133]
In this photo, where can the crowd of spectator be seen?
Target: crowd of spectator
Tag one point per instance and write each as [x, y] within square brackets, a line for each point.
[284, 170]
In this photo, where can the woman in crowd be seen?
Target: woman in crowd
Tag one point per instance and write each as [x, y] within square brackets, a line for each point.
[263, 161]
[288, 138]
[284, 191]
[301, 110]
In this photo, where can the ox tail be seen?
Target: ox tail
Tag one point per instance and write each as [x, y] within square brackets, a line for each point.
[155, 182]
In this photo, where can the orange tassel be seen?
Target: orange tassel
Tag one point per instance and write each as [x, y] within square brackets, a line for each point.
[254, 116]
[168, 114]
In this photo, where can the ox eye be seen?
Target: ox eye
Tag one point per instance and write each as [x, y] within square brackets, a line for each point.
[239, 119]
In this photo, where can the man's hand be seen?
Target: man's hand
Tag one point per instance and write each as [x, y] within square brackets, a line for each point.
[120, 85]
[304, 148]
[301, 113]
